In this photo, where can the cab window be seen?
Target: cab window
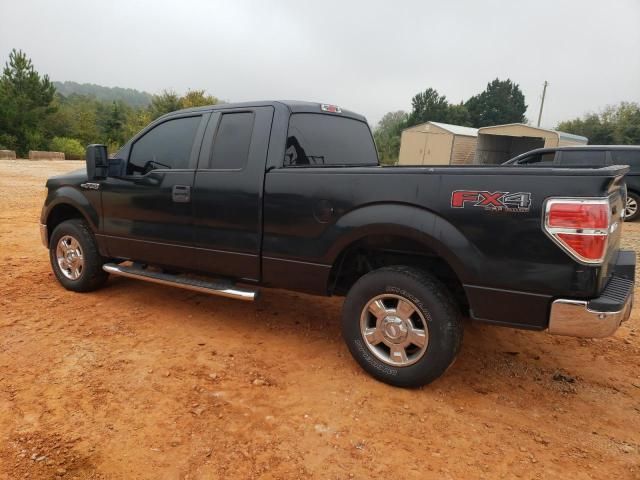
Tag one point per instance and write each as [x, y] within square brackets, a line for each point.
[317, 139]
[166, 146]
[232, 142]
[538, 159]
[583, 158]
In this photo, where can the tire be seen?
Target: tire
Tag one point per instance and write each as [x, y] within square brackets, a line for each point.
[632, 208]
[376, 339]
[73, 241]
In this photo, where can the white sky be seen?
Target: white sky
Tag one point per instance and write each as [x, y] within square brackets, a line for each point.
[368, 56]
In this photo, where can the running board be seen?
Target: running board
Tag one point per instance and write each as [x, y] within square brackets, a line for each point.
[220, 288]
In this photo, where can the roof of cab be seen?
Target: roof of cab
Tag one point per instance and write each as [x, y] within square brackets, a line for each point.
[294, 106]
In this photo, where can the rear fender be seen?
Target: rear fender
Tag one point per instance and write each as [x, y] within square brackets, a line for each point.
[417, 224]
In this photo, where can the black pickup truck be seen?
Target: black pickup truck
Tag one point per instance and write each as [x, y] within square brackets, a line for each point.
[227, 198]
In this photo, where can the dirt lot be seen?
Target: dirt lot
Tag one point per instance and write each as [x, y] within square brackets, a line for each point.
[144, 381]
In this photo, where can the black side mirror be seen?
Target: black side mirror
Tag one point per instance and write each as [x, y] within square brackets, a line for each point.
[97, 162]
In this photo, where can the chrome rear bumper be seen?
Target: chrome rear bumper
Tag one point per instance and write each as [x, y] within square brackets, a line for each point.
[598, 317]
[576, 319]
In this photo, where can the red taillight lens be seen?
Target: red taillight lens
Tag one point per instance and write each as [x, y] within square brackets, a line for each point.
[580, 227]
[572, 215]
[586, 246]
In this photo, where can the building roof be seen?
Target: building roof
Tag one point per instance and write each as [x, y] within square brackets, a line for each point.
[455, 129]
[561, 135]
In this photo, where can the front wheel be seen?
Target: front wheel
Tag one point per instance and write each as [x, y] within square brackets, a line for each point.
[74, 257]
[402, 326]
[632, 207]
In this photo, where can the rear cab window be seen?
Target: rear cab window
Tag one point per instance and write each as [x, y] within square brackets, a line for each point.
[317, 140]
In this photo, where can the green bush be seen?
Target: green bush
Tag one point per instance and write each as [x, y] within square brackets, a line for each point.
[72, 148]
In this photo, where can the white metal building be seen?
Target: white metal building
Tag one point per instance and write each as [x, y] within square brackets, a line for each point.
[434, 143]
[499, 143]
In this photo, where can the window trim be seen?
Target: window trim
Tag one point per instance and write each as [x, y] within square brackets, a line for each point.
[208, 157]
[195, 146]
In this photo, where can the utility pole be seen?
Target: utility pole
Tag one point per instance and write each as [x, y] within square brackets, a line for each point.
[544, 92]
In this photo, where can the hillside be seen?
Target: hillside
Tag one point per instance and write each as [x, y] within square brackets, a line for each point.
[133, 97]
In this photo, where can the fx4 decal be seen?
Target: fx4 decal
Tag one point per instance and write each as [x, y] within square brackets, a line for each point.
[497, 201]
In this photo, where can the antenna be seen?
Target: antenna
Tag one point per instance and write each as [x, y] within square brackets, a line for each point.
[544, 92]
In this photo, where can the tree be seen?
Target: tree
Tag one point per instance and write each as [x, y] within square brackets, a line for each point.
[25, 101]
[167, 101]
[72, 148]
[428, 106]
[387, 135]
[197, 98]
[501, 102]
[112, 121]
[619, 124]
[459, 115]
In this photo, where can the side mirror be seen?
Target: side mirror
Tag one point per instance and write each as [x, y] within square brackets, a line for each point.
[97, 162]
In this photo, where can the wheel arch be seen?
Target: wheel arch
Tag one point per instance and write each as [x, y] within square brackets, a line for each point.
[68, 203]
[402, 234]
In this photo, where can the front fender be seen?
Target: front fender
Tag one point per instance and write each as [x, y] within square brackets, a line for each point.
[87, 203]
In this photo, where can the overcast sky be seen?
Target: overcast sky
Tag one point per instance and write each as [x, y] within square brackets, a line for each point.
[368, 56]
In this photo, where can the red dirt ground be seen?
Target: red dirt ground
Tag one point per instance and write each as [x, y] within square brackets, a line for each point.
[143, 381]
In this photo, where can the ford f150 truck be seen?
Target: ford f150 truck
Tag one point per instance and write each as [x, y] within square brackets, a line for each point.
[227, 198]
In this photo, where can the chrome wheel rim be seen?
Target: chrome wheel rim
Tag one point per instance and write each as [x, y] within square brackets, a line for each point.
[394, 330]
[631, 207]
[69, 257]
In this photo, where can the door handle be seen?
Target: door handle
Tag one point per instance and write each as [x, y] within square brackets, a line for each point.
[181, 193]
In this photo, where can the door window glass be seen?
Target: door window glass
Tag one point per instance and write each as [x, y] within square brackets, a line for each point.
[539, 159]
[166, 146]
[583, 158]
[231, 145]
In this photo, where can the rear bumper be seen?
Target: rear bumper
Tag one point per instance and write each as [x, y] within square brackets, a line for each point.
[599, 317]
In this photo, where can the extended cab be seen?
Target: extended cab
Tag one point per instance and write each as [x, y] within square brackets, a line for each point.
[228, 198]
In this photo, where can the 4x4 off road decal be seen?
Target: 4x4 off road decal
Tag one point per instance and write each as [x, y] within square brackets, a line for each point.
[500, 201]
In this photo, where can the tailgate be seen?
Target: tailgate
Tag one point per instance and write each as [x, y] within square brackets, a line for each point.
[617, 199]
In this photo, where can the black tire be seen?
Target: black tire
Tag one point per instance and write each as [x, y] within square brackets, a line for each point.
[633, 200]
[91, 276]
[433, 301]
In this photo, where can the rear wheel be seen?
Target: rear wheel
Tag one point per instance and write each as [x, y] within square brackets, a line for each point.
[632, 207]
[402, 326]
[74, 257]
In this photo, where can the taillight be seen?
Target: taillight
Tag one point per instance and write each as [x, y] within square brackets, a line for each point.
[580, 226]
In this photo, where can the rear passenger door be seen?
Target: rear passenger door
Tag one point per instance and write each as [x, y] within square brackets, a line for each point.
[227, 196]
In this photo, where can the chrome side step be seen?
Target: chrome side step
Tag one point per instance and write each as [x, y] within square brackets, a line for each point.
[220, 288]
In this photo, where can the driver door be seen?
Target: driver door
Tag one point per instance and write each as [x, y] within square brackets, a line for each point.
[148, 213]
